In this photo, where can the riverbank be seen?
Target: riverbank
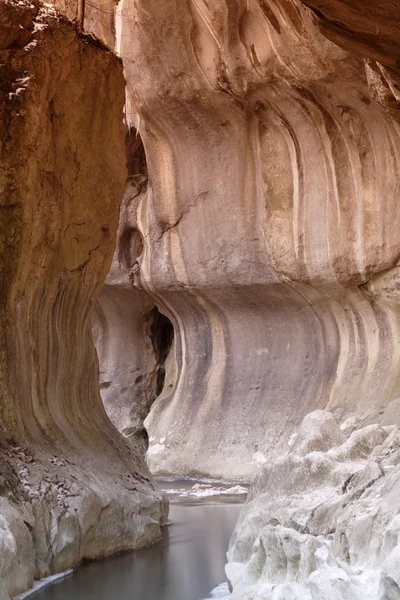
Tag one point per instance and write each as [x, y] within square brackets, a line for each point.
[187, 564]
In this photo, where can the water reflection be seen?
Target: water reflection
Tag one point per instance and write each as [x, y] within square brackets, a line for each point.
[185, 565]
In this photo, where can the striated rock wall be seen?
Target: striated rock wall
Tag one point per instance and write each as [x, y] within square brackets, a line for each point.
[322, 521]
[270, 223]
[70, 486]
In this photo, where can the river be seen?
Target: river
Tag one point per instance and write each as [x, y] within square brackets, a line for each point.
[186, 564]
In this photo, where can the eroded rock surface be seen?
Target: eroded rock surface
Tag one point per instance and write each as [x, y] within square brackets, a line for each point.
[134, 340]
[256, 279]
[70, 486]
[269, 228]
[322, 523]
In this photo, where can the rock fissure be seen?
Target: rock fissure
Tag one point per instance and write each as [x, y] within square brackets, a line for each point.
[166, 228]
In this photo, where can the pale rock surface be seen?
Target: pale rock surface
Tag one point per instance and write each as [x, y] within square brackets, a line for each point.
[70, 486]
[318, 432]
[268, 228]
[324, 524]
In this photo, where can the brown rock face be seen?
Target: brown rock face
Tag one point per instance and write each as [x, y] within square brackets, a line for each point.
[56, 247]
[270, 225]
[70, 487]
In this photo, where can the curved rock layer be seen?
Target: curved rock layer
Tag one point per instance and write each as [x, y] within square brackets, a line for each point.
[70, 486]
[269, 230]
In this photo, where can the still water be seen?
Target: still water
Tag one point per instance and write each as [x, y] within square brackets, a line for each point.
[185, 565]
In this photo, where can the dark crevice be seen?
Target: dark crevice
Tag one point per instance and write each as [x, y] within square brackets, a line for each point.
[160, 380]
[161, 333]
[136, 163]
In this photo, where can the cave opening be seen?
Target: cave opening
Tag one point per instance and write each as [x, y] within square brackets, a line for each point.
[161, 333]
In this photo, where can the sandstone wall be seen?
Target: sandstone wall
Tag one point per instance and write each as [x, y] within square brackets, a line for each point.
[270, 225]
[70, 486]
[133, 339]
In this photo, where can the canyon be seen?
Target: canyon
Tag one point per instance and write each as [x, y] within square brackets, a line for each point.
[200, 261]
[71, 488]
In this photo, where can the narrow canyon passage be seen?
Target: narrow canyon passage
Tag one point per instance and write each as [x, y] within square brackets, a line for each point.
[199, 282]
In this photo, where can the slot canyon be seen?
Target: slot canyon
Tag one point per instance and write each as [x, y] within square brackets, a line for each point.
[200, 282]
